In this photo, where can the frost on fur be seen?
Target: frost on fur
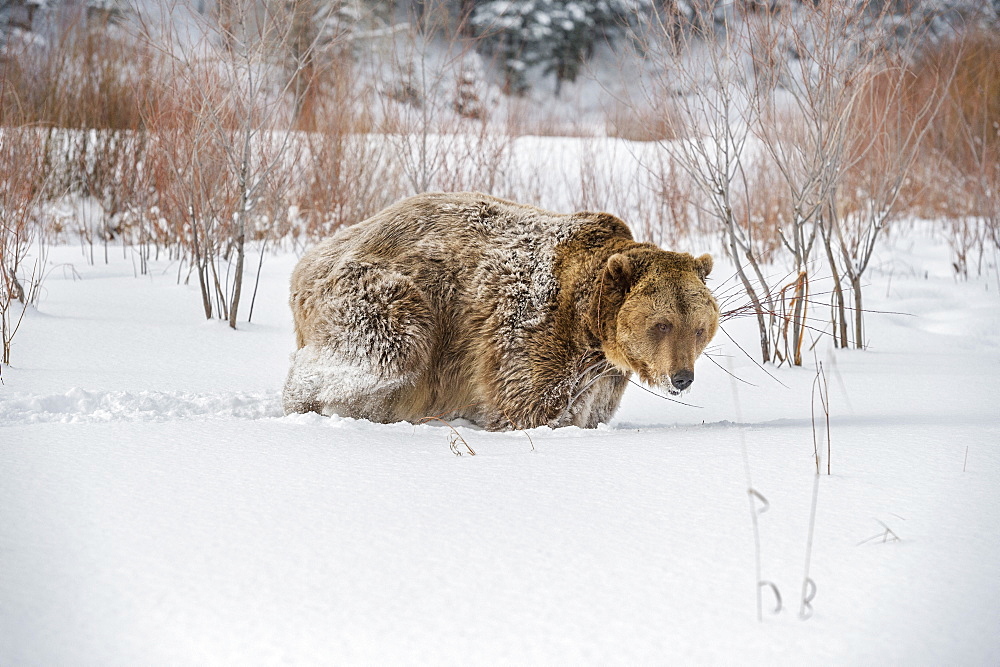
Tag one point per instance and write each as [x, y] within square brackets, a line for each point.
[464, 305]
[322, 381]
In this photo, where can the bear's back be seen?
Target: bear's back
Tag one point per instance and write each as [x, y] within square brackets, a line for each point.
[455, 223]
[458, 239]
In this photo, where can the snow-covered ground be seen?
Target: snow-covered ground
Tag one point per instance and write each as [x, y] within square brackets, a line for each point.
[157, 508]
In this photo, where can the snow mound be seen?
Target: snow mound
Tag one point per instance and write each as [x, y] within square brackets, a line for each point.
[79, 405]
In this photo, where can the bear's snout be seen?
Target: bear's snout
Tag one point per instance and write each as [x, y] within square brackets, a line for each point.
[682, 379]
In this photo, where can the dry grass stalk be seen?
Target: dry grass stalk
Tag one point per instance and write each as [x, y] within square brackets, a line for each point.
[455, 437]
[821, 388]
[518, 427]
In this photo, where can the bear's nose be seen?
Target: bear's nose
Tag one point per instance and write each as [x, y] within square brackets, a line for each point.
[682, 379]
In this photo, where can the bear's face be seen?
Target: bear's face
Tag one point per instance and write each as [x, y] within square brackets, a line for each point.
[666, 317]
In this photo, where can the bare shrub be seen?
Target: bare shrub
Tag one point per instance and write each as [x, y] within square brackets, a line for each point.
[637, 182]
[22, 189]
[525, 119]
[228, 142]
[438, 118]
[597, 176]
[646, 120]
[958, 174]
[344, 176]
[670, 217]
[893, 113]
[86, 87]
[343, 172]
[188, 171]
[767, 211]
[84, 76]
[417, 109]
[798, 127]
[805, 107]
[933, 122]
[479, 158]
[966, 132]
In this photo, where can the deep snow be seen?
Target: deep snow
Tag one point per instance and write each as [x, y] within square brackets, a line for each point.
[156, 508]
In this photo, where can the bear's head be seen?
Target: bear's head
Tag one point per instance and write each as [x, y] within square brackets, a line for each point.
[659, 314]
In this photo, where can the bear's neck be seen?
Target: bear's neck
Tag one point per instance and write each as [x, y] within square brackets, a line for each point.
[595, 298]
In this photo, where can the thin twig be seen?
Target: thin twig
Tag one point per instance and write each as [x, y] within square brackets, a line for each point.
[752, 359]
[666, 398]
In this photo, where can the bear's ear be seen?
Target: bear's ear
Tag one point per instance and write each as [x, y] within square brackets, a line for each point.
[620, 268]
[703, 266]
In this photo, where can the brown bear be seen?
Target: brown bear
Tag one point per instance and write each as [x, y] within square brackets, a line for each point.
[465, 305]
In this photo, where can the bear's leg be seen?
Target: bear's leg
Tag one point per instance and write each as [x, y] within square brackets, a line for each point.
[592, 401]
[327, 381]
[372, 340]
[607, 396]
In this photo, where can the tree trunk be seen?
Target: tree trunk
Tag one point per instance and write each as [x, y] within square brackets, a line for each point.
[4, 335]
[302, 38]
[799, 316]
[238, 279]
[765, 347]
[227, 22]
[16, 291]
[466, 7]
[241, 232]
[206, 296]
[859, 341]
[839, 315]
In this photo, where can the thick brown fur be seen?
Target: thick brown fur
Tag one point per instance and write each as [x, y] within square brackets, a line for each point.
[465, 305]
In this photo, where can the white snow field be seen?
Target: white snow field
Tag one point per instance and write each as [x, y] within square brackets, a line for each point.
[157, 508]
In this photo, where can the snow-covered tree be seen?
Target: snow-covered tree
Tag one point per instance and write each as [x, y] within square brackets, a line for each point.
[470, 89]
[513, 32]
[557, 36]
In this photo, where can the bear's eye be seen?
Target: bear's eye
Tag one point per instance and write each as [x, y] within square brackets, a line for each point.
[699, 333]
[664, 327]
